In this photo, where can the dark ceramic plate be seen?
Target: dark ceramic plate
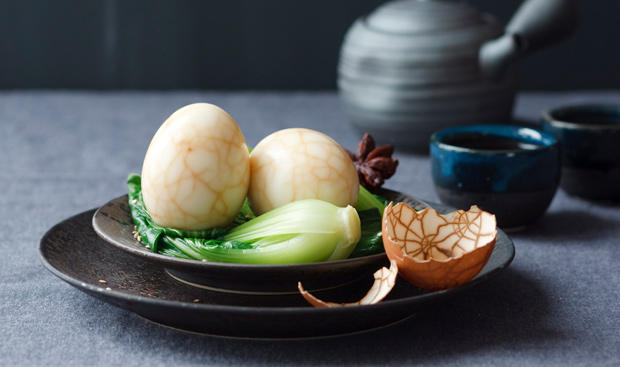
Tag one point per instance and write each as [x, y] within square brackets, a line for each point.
[113, 223]
[72, 251]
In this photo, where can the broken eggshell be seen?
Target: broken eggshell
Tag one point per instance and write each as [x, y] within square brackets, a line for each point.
[384, 282]
[438, 251]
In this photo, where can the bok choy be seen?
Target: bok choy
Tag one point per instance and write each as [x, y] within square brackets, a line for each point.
[367, 201]
[299, 232]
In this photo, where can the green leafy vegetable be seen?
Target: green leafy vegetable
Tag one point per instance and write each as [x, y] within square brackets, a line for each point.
[198, 248]
[371, 242]
[151, 233]
[370, 208]
[367, 200]
[299, 232]
[302, 231]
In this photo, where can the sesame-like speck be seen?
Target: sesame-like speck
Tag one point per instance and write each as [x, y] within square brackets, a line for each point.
[108, 289]
[196, 300]
[103, 281]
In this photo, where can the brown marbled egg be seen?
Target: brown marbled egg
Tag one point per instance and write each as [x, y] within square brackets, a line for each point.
[295, 164]
[196, 171]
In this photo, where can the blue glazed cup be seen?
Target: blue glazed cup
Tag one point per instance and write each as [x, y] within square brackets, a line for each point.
[590, 138]
[510, 171]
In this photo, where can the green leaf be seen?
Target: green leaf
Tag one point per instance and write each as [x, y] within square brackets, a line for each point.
[370, 243]
[151, 233]
[367, 200]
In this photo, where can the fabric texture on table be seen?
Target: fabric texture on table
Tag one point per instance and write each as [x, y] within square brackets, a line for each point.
[66, 152]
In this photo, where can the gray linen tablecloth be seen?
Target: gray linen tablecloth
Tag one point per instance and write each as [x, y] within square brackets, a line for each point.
[62, 153]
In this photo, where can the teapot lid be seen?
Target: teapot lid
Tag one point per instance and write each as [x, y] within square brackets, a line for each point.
[416, 16]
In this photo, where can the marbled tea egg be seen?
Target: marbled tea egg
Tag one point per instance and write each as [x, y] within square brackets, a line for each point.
[196, 170]
[296, 164]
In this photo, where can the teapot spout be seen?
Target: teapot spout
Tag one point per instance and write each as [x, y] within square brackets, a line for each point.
[536, 24]
[496, 55]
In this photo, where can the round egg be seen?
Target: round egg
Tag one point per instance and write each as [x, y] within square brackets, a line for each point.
[196, 170]
[296, 164]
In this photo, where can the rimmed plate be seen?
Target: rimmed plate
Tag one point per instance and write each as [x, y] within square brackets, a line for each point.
[113, 223]
[72, 251]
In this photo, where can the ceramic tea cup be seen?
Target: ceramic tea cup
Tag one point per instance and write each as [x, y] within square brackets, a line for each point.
[590, 138]
[510, 171]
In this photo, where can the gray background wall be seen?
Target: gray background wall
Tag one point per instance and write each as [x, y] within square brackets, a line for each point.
[244, 44]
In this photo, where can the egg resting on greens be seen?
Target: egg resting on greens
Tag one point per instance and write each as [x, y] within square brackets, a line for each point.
[295, 164]
[196, 170]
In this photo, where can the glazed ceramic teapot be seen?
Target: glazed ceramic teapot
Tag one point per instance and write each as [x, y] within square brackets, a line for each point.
[413, 67]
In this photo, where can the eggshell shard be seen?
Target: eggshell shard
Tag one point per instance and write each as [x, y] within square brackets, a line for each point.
[438, 251]
[196, 171]
[296, 164]
[384, 282]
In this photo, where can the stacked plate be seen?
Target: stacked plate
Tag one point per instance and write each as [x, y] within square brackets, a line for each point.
[96, 252]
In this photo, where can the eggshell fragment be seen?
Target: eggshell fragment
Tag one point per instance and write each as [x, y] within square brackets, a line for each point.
[296, 164]
[438, 251]
[384, 282]
[196, 171]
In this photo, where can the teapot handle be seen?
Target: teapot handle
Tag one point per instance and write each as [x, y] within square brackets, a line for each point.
[536, 24]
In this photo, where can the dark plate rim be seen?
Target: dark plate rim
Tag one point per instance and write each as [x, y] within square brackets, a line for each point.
[130, 298]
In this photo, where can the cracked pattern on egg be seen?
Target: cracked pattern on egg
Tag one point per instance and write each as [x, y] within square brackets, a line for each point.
[295, 164]
[428, 234]
[438, 251]
[196, 170]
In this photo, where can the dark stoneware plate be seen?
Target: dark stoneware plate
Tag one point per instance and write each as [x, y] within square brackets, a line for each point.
[113, 223]
[72, 251]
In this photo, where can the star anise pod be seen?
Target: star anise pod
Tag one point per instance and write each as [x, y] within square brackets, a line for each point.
[374, 164]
